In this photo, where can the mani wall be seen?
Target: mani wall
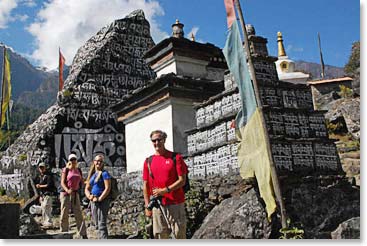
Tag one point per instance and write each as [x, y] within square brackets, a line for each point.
[105, 69]
[298, 134]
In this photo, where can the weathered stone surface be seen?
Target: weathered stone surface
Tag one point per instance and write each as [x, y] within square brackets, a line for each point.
[349, 229]
[319, 204]
[356, 83]
[105, 69]
[28, 226]
[349, 110]
[236, 218]
[315, 204]
[322, 100]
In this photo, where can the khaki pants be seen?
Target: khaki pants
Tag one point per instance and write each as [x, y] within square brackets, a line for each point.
[177, 219]
[72, 201]
[46, 207]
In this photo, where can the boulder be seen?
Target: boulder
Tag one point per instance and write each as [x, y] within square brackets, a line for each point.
[241, 217]
[319, 204]
[349, 229]
[29, 226]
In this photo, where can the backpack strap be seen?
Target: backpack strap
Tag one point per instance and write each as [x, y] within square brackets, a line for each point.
[81, 178]
[174, 154]
[149, 162]
[80, 171]
[66, 176]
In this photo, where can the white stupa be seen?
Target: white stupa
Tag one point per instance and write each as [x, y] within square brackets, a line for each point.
[285, 66]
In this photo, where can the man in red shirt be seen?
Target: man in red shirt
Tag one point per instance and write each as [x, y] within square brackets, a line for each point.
[167, 182]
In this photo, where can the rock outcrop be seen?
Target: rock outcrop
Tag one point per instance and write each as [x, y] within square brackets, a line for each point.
[347, 110]
[319, 204]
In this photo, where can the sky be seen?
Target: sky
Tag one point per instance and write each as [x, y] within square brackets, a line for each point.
[36, 29]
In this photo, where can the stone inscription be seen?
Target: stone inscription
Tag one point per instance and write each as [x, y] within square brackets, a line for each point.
[296, 124]
[305, 156]
[88, 115]
[117, 68]
[218, 161]
[266, 72]
[286, 98]
[326, 156]
[12, 181]
[86, 143]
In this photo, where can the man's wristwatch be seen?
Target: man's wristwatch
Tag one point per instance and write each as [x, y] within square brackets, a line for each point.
[168, 189]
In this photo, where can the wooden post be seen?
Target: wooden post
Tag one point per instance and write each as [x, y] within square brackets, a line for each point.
[274, 176]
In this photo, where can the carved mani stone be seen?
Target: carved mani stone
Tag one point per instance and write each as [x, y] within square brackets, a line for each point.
[105, 69]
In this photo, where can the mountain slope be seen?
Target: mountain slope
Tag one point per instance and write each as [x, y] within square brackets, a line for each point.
[315, 70]
[24, 76]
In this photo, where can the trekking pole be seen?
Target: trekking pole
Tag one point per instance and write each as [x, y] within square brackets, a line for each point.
[166, 219]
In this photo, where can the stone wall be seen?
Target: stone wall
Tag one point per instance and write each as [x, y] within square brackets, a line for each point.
[126, 216]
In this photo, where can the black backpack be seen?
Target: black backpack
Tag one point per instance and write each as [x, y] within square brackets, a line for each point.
[186, 186]
[114, 192]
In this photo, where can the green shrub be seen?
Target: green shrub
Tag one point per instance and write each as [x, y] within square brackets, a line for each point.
[2, 191]
[142, 222]
[291, 232]
[345, 92]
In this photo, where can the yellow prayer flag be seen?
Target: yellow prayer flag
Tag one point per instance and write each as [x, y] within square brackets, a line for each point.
[6, 88]
[254, 160]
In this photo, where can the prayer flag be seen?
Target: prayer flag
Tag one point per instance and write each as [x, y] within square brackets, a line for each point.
[61, 69]
[253, 157]
[6, 88]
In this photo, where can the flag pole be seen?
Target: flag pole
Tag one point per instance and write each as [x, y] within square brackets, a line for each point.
[321, 59]
[274, 176]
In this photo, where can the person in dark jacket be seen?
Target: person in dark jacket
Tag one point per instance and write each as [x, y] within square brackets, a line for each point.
[45, 187]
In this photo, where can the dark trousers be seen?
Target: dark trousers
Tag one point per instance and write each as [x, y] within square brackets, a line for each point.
[99, 216]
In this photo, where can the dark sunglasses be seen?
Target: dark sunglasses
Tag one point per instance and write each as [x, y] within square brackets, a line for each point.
[156, 140]
[73, 159]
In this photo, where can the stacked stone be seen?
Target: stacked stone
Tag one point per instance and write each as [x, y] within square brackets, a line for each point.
[298, 134]
[126, 214]
[212, 145]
